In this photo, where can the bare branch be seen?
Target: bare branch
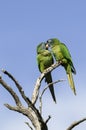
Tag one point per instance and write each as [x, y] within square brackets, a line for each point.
[49, 117]
[28, 125]
[31, 114]
[11, 107]
[27, 100]
[40, 105]
[49, 86]
[40, 97]
[76, 123]
[39, 80]
[10, 90]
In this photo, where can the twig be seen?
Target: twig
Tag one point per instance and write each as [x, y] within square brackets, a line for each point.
[49, 117]
[18, 86]
[10, 90]
[51, 84]
[38, 82]
[28, 125]
[75, 124]
[40, 97]
[11, 107]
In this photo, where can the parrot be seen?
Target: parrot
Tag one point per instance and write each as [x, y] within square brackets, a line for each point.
[45, 60]
[62, 54]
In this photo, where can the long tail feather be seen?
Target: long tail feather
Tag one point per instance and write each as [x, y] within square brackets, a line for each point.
[71, 82]
[48, 79]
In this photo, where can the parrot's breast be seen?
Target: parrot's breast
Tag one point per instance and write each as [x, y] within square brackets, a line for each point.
[57, 53]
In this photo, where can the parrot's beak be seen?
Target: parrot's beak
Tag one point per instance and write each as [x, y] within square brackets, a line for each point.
[47, 45]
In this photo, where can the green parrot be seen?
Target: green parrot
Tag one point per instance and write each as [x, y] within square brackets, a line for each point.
[45, 60]
[61, 53]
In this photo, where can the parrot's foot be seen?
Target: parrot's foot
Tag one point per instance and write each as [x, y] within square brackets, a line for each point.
[59, 62]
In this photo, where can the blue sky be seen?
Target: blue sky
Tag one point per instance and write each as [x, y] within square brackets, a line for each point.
[23, 25]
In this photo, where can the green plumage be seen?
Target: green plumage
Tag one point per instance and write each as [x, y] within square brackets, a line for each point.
[45, 60]
[61, 53]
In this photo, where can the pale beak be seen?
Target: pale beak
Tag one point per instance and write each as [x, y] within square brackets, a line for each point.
[46, 45]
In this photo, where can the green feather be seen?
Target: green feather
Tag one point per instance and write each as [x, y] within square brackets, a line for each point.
[45, 60]
[61, 53]
[71, 82]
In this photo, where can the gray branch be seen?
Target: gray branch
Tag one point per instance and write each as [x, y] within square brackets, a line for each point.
[49, 117]
[75, 124]
[11, 107]
[29, 125]
[27, 100]
[31, 112]
[39, 80]
[41, 95]
[10, 90]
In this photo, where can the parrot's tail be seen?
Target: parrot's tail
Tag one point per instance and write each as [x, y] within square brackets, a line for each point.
[71, 81]
[48, 79]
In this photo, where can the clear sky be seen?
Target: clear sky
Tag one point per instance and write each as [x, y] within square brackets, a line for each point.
[23, 25]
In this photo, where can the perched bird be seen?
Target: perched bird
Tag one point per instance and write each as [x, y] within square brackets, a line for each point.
[62, 54]
[45, 60]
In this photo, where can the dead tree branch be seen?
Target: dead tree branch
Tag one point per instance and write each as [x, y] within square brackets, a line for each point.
[31, 112]
[29, 125]
[49, 117]
[41, 95]
[10, 90]
[39, 80]
[76, 123]
[27, 100]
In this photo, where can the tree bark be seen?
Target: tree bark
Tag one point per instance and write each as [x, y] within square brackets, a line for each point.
[31, 112]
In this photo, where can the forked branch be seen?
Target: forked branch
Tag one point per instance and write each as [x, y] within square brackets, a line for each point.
[27, 100]
[10, 90]
[38, 82]
[41, 95]
[31, 111]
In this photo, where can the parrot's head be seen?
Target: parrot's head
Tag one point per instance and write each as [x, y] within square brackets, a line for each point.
[48, 44]
[51, 42]
[41, 47]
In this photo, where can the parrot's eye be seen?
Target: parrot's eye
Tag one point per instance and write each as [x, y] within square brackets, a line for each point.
[49, 41]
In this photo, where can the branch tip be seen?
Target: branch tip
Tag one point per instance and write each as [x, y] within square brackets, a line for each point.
[49, 117]
[7, 105]
[0, 76]
[76, 123]
[28, 125]
[3, 70]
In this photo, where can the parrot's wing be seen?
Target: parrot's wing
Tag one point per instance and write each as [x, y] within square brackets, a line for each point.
[45, 60]
[67, 55]
[65, 51]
